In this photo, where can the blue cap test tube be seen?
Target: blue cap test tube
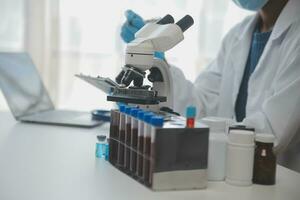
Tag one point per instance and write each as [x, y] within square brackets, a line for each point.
[190, 116]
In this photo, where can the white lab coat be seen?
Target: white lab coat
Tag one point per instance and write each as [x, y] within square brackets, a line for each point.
[273, 104]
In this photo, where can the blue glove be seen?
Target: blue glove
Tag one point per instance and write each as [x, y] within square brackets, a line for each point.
[134, 23]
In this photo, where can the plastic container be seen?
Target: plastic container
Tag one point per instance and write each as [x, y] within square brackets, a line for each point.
[240, 157]
[264, 171]
[217, 147]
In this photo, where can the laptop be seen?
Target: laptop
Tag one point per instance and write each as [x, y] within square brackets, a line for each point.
[27, 97]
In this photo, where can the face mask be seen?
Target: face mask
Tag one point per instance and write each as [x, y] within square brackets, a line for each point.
[253, 5]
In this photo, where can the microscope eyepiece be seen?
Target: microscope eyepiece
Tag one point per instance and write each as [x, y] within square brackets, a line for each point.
[185, 23]
[168, 19]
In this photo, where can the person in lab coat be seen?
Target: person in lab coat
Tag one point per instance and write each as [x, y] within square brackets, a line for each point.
[255, 77]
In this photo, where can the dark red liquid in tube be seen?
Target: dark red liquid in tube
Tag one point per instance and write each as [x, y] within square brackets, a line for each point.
[152, 164]
[121, 149]
[146, 161]
[190, 123]
[133, 152]
[127, 146]
[140, 147]
[114, 136]
[121, 146]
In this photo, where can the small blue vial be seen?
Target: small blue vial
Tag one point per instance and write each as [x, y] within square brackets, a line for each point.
[102, 147]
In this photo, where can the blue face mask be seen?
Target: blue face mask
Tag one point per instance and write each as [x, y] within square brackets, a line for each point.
[253, 5]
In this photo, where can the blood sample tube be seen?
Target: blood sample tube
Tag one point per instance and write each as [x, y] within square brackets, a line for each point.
[127, 138]
[147, 146]
[114, 136]
[134, 139]
[121, 137]
[190, 116]
[140, 144]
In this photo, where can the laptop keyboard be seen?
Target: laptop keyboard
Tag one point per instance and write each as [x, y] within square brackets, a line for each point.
[55, 115]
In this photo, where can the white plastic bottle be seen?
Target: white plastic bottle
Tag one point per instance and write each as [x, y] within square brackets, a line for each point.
[217, 147]
[240, 156]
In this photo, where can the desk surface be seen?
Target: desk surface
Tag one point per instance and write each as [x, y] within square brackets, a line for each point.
[41, 162]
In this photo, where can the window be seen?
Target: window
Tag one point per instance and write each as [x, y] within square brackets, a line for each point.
[67, 37]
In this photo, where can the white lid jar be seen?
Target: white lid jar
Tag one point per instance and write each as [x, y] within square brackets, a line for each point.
[217, 124]
[240, 156]
[217, 147]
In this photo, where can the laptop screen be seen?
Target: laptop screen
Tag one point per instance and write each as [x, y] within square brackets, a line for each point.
[22, 86]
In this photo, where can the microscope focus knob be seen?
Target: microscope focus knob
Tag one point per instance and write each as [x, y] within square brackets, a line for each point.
[155, 75]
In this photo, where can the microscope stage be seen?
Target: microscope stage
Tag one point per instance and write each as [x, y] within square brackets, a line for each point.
[137, 100]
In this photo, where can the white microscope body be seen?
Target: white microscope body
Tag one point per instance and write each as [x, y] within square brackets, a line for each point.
[153, 37]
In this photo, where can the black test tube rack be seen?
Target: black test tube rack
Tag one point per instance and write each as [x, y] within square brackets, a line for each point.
[178, 157]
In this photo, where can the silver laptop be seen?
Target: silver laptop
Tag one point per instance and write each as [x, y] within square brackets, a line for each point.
[27, 97]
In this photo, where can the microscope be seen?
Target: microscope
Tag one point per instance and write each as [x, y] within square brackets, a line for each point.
[139, 58]
[140, 64]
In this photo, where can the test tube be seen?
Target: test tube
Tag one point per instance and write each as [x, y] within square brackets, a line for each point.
[121, 137]
[190, 116]
[114, 136]
[147, 146]
[140, 144]
[134, 139]
[127, 138]
[156, 122]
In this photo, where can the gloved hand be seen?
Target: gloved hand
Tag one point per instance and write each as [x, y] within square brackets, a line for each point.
[134, 23]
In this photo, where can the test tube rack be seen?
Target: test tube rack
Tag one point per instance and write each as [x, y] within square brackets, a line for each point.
[178, 158]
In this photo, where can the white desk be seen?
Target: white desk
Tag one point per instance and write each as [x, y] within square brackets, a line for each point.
[41, 162]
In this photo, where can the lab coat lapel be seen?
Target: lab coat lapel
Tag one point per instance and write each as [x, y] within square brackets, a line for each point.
[288, 15]
[239, 56]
